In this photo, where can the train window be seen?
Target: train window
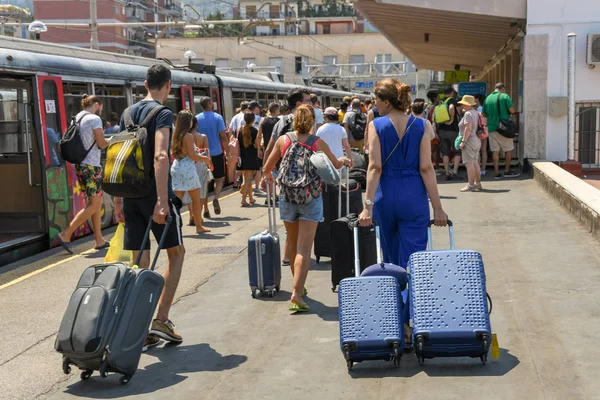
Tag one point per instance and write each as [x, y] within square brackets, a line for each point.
[50, 93]
[262, 99]
[237, 98]
[139, 92]
[73, 91]
[174, 101]
[12, 120]
[113, 99]
[271, 97]
[250, 96]
[198, 95]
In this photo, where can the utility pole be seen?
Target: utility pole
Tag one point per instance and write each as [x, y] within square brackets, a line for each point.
[94, 25]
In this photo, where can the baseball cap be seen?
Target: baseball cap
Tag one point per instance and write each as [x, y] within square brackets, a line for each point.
[253, 105]
[330, 111]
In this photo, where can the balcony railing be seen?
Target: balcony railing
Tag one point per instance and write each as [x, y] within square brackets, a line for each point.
[174, 9]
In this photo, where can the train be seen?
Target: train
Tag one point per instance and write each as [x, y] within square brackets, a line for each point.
[41, 86]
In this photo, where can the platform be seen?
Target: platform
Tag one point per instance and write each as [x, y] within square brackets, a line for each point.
[542, 273]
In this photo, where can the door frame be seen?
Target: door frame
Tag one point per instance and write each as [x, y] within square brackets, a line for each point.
[187, 89]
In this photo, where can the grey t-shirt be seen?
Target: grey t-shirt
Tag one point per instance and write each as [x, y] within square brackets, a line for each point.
[86, 129]
[350, 114]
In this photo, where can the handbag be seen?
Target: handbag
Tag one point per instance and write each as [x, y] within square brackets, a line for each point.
[506, 127]
[327, 172]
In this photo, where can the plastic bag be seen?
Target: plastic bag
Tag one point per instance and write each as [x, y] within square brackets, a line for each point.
[115, 252]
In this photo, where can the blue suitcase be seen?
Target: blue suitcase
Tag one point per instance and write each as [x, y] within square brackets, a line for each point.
[370, 312]
[264, 257]
[448, 303]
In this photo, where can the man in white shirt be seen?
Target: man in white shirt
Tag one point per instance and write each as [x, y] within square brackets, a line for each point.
[314, 99]
[334, 134]
[238, 119]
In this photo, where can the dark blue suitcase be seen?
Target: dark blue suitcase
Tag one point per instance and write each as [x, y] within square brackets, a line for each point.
[264, 257]
[370, 312]
[449, 309]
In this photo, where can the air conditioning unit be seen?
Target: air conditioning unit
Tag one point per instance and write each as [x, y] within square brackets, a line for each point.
[593, 49]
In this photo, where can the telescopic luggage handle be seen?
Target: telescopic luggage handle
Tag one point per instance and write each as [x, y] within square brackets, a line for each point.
[347, 194]
[160, 243]
[429, 235]
[271, 210]
[357, 251]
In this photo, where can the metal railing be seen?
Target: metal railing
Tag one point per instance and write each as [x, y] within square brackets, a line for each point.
[356, 70]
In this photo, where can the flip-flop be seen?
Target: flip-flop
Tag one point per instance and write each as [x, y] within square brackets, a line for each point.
[103, 246]
[64, 245]
[299, 308]
[217, 207]
[285, 263]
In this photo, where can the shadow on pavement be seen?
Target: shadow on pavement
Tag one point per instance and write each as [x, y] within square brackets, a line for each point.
[436, 367]
[215, 224]
[484, 190]
[281, 296]
[173, 363]
[228, 218]
[326, 313]
[323, 265]
[208, 236]
[99, 254]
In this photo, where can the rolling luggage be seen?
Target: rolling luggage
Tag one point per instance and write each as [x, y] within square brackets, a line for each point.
[448, 303]
[108, 317]
[370, 313]
[264, 256]
[333, 204]
[359, 171]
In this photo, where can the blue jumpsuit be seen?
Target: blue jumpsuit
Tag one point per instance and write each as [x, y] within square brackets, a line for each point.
[401, 206]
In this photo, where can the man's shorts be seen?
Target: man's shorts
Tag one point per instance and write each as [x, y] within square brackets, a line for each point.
[312, 211]
[138, 213]
[499, 143]
[89, 179]
[358, 144]
[219, 166]
[447, 139]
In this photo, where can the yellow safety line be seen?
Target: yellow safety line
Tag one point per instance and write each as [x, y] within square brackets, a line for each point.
[56, 264]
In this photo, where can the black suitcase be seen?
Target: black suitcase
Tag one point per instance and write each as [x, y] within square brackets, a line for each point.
[108, 317]
[333, 204]
[359, 171]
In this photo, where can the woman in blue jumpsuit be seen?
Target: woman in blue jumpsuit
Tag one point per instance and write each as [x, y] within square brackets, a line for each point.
[400, 176]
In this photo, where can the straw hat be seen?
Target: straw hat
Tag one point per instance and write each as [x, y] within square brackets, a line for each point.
[468, 101]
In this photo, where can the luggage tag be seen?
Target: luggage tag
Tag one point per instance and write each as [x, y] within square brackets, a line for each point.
[495, 346]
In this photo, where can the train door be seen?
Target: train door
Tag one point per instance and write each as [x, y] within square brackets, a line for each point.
[62, 190]
[187, 96]
[22, 213]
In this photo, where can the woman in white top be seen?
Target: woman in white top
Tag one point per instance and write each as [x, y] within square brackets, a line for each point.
[89, 172]
[334, 134]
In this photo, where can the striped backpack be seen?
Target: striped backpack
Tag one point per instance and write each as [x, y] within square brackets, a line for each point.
[129, 159]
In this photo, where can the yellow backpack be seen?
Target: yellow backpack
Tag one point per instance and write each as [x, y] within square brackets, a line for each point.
[441, 113]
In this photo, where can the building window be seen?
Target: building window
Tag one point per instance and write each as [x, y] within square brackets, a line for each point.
[357, 59]
[222, 63]
[250, 11]
[329, 60]
[381, 58]
[587, 134]
[298, 65]
[276, 62]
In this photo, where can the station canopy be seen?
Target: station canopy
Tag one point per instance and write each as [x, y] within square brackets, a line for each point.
[440, 34]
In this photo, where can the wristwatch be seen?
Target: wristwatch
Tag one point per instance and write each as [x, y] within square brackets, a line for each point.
[368, 203]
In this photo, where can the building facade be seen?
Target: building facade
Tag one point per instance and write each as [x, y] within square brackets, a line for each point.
[128, 40]
[353, 61]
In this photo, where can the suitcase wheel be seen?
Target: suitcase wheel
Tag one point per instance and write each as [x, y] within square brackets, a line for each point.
[85, 375]
[318, 259]
[271, 292]
[397, 354]
[421, 360]
[333, 288]
[349, 364]
[484, 359]
[103, 370]
[277, 288]
[253, 293]
[124, 379]
[65, 366]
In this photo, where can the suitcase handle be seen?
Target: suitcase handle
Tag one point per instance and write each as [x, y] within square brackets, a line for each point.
[272, 217]
[160, 243]
[357, 251]
[347, 194]
[429, 235]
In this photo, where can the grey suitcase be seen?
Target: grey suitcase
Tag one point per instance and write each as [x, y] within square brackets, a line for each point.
[264, 256]
[108, 317]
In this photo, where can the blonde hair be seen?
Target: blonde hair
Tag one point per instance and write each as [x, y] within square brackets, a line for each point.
[396, 92]
[184, 124]
[304, 119]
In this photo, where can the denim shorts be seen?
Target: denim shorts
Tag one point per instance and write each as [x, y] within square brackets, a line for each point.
[312, 211]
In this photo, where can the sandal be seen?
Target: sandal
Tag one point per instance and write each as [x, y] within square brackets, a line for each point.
[217, 207]
[299, 308]
[64, 244]
[244, 204]
[203, 230]
[285, 263]
[102, 246]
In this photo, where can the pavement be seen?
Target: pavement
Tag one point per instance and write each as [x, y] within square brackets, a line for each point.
[542, 273]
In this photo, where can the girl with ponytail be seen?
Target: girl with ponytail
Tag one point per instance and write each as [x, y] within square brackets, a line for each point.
[249, 162]
[400, 177]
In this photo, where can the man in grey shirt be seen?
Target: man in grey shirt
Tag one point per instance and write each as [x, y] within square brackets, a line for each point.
[355, 122]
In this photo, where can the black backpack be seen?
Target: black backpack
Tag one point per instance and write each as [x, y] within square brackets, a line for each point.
[71, 145]
[357, 123]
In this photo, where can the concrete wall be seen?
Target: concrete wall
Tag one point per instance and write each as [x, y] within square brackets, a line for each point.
[556, 19]
[288, 47]
[535, 96]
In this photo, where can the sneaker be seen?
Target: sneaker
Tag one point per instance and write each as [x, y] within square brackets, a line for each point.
[448, 177]
[511, 174]
[499, 176]
[478, 187]
[165, 330]
[151, 341]
[468, 188]
[483, 172]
